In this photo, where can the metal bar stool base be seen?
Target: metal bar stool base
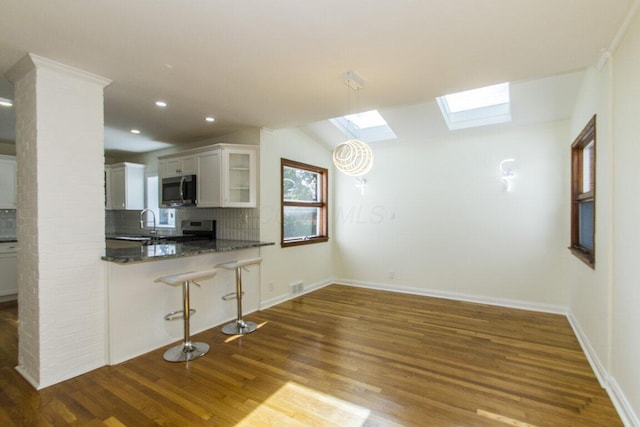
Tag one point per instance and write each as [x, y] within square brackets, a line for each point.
[239, 328]
[187, 350]
[182, 353]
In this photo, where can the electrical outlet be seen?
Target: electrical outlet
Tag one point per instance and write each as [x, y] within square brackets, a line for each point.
[270, 286]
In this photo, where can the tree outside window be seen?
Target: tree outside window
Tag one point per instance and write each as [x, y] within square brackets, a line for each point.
[304, 203]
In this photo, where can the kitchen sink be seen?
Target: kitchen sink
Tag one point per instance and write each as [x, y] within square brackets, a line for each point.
[145, 240]
[132, 238]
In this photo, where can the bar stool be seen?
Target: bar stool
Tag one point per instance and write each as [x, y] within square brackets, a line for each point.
[187, 350]
[239, 326]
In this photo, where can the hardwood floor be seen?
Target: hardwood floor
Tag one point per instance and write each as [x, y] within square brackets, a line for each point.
[339, 356]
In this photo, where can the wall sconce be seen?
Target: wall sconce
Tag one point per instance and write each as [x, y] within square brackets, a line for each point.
[507, 173]
[361, 183]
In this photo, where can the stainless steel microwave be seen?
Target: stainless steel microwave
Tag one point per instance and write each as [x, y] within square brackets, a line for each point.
[179, 191]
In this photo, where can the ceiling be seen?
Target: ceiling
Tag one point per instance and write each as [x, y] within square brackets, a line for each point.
[279, 63]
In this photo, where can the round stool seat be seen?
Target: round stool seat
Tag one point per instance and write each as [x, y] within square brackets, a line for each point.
[239, 264]
[191, 276]
[187, 350]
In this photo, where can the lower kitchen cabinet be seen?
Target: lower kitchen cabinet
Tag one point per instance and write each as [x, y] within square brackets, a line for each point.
[8, 272]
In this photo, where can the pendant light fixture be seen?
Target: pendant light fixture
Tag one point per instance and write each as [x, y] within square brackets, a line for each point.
[353, 157]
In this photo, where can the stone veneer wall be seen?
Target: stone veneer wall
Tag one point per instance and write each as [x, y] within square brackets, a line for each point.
[60, 220]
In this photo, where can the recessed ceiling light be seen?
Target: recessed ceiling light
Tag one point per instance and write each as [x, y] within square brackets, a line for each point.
[136, 131]
[161, 104]
[6, 102]
[210, 119]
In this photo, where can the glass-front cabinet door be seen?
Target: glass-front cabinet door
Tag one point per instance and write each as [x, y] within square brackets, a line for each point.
[239, 166]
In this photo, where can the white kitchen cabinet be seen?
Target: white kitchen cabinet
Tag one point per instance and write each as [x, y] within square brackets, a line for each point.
[124, 186]
[8, 271]
[239, 184]
[177, 166]
[208, 171]
[8, 189]
[227, 176]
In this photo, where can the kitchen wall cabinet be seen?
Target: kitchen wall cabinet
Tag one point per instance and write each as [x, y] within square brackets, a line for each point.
[208, 171]
[8, 189]
[124, 186]
[239, 184]
[177, 166]
[227, 176]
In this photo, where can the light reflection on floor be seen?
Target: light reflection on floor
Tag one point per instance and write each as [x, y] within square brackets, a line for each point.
[297, 405]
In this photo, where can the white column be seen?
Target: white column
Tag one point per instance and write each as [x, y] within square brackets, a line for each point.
[60, 220]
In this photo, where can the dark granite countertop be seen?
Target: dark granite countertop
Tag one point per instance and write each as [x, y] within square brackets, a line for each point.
[174, 250]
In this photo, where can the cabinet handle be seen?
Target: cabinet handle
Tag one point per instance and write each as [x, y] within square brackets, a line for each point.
[182, 183]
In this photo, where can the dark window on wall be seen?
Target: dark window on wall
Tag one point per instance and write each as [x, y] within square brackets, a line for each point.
[304, 203]
[583, 194]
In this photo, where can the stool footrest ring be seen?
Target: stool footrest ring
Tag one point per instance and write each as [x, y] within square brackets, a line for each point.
[232, 295]
[179, 314]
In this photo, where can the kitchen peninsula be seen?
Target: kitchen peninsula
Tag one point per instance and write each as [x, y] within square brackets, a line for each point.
[136, 305]
[216, 222]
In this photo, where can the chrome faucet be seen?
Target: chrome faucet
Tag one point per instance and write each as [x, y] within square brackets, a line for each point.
[154, 231]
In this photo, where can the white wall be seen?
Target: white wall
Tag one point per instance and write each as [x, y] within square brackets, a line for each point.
[625, 343]
[435, 217]
[590, 288]
[604, 301]
[283, 266]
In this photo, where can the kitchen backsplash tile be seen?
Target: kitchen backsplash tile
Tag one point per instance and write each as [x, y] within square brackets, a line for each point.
[7, 223]
[232, 224]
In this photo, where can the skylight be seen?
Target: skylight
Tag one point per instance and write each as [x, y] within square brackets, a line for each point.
[477, 107]
[368, 126]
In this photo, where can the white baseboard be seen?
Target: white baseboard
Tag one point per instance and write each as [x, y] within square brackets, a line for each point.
[607, 382]
[621, 403]
[502, 302]
[597, 366]
[282, 298]
[38, 385]
[35, 384]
